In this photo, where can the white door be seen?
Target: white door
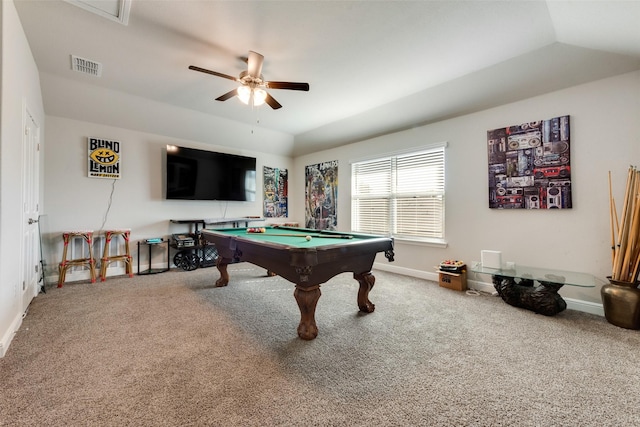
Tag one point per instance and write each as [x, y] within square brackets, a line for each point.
[30, 209]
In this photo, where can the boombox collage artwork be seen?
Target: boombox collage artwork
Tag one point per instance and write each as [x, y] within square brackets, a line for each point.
[529, 165]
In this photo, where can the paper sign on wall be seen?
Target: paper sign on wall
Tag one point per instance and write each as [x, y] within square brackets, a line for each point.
[104, 158]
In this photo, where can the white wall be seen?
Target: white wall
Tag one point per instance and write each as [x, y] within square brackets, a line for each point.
[86, 102]
[20, 89]
[73, 201]
[605, 133]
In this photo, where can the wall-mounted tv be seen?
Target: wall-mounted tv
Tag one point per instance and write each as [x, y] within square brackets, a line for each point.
[193, 174]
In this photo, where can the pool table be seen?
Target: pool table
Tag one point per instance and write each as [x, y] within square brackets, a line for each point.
[305, 257]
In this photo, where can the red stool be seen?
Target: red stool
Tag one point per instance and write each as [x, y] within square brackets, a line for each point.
[108, 259]
[68, 236]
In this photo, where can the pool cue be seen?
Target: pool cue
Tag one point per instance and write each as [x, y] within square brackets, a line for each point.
[330, 236]
[631, 254]
[280, 234]
[611, 223]
[635, 257]
[305, 235]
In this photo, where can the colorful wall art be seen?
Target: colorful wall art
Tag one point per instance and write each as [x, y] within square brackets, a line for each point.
[276, 191]
[104, 158]
[321, 196]
[529, 165]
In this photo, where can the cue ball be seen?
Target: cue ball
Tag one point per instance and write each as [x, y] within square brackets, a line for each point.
[308, 238]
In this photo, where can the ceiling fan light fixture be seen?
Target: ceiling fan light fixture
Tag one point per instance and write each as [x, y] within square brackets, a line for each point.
[244, 94]
[255, 96]
[259, 96]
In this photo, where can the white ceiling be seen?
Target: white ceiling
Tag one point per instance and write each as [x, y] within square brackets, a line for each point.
[373, 66]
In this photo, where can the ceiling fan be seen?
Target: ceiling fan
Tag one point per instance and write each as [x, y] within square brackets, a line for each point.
[253, 86]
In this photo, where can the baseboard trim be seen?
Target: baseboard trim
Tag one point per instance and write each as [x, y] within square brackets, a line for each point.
[573, 304]
[9, 334]
[420, 274]
[585, 306]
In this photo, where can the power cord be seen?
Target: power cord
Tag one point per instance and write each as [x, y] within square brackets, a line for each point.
[106, 214]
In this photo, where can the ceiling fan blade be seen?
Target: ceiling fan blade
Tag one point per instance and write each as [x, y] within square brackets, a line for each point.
[213, 73]
[227, 95]
[272, 102]
[255, 64]
[288, 85]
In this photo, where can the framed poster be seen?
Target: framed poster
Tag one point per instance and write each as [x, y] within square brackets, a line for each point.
[275, 195]
[321, 196]
[529, 165]
[104, 158]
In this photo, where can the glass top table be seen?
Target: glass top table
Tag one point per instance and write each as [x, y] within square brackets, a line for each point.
[517, 287]
[546, 275]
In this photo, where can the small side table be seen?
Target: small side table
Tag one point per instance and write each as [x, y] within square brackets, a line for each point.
[151, 243]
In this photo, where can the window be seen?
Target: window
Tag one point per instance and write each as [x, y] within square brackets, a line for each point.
[400, 195]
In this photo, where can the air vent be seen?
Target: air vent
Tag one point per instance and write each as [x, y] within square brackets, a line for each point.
[86, 66]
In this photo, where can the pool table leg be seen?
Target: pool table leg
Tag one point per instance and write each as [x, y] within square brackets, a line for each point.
[366, 280]
[224, 275]
[307, 298]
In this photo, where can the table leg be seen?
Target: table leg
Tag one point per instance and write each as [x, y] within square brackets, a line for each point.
[366, 280]
[307, 299]
[224, 275]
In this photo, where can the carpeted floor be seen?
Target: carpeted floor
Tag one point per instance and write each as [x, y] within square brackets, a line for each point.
[172, 350]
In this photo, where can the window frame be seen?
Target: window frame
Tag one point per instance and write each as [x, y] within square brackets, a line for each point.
[393, 195]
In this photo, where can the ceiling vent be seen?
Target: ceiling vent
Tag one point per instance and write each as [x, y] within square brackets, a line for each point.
[86, 66]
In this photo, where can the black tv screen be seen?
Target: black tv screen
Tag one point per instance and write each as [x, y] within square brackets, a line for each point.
[208, 175]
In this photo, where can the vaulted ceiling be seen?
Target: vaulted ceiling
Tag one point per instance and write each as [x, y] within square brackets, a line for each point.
[373, 66]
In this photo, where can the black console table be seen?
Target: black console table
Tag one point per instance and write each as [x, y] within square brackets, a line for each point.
[151, 244]
[200, 253]
[517, 287]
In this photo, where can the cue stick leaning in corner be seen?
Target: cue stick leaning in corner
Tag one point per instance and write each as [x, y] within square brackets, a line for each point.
[613, 216]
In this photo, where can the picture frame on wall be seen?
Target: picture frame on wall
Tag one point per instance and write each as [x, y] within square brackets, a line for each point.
[530, 165]
[104, 158]
[275, 192]
[321, 195]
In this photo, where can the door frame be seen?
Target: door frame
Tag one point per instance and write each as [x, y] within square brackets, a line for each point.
[30, 263]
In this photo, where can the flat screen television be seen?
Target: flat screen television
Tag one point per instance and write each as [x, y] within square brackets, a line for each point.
[193, 174]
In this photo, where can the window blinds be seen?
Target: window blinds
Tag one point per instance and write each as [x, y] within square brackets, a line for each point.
[402, 195]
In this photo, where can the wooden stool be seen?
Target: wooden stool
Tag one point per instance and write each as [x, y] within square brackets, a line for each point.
[126, 257]
[68, 236]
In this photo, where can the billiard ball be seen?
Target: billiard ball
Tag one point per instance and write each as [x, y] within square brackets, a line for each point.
[308, 238]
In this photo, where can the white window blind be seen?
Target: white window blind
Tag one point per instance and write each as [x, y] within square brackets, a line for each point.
[401, 196]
